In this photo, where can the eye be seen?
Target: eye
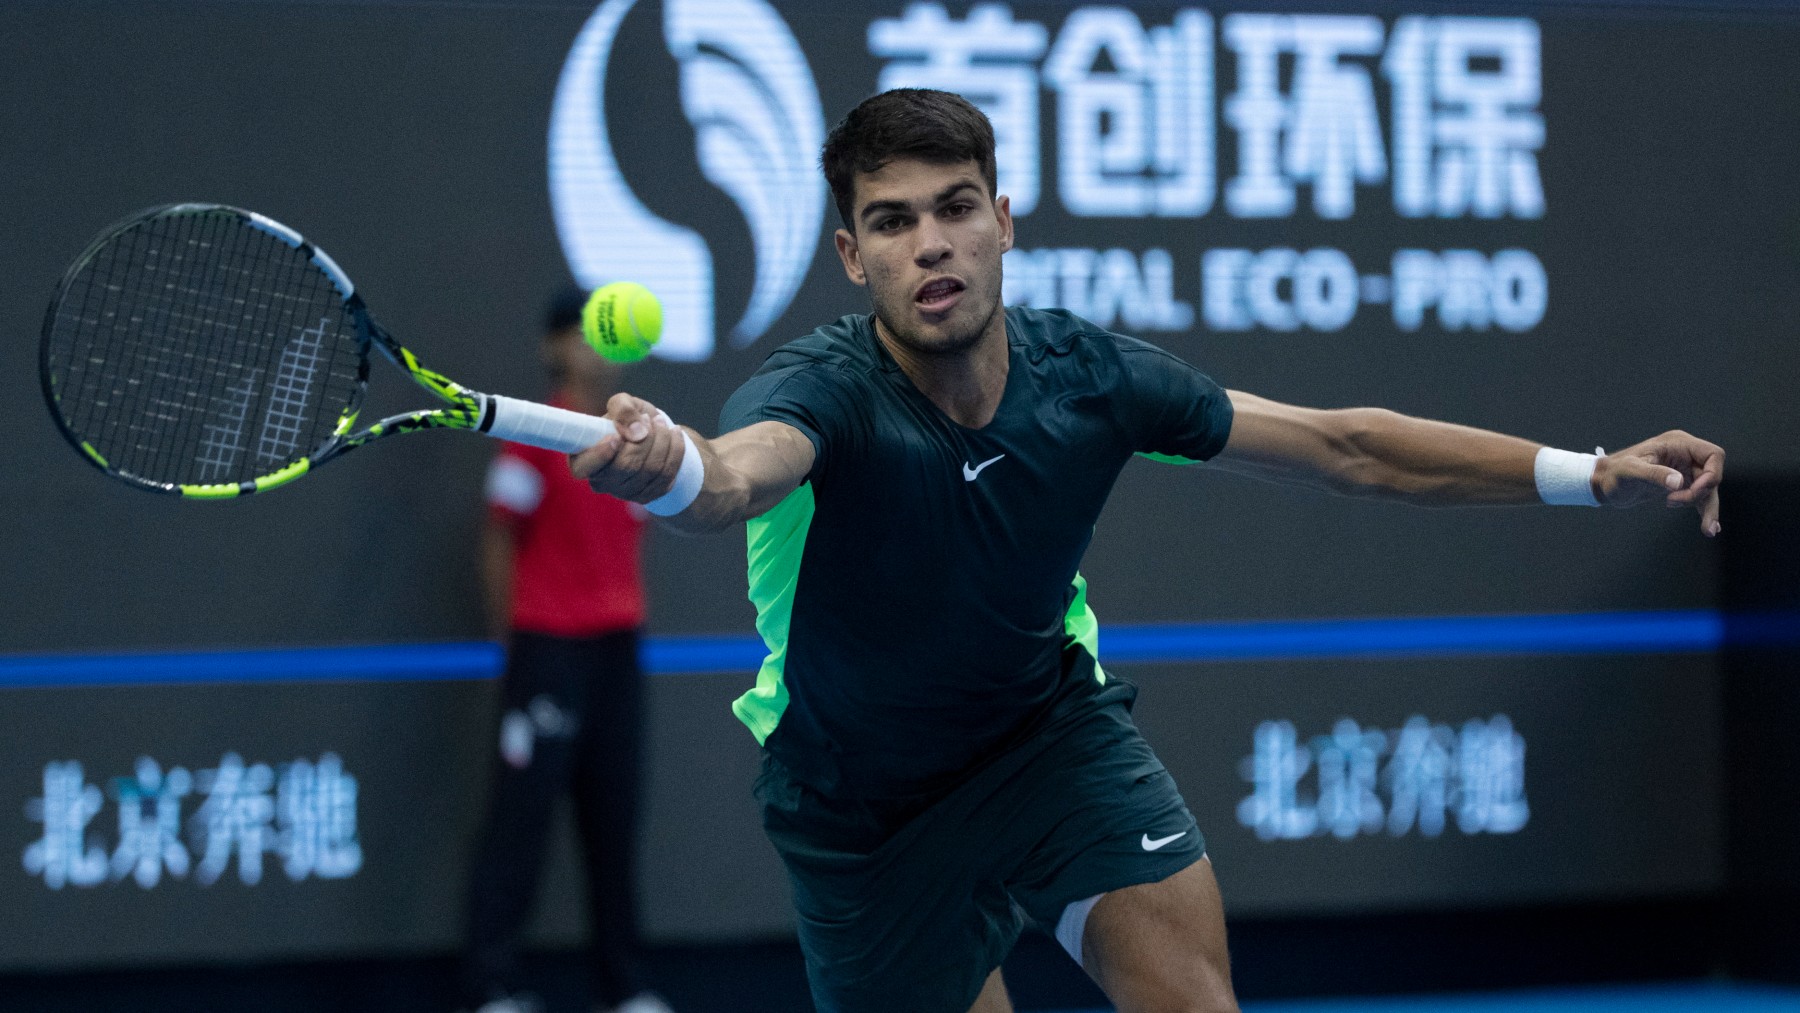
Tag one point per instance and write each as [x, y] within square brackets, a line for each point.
[891, 224]
[960, 209]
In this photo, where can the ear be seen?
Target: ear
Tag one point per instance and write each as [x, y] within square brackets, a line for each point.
[1003, 212]
[851, 255]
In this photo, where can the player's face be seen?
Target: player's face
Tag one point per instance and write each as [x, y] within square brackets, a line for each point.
[927, 246]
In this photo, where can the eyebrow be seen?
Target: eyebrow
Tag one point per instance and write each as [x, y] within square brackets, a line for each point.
[882, 206]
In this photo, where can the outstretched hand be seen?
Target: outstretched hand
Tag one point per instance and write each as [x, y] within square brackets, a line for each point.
[637, 463]
[1682, 470]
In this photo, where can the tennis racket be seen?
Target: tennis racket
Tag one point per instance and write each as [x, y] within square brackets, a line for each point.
[210, 352]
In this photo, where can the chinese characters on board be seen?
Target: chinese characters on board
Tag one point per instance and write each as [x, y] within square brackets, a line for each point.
[302, 813]
[1420, 777]
[1256, 116]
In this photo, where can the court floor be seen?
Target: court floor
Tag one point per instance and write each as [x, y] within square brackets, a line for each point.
[1673, 998]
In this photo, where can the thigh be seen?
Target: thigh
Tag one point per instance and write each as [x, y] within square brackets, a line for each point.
[1161, 946]
[993, 997]
[1114, 816]
[895, 918]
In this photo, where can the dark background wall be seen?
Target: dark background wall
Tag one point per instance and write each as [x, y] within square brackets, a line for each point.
[410, 142]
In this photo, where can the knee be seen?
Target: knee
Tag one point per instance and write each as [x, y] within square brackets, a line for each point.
[1213, 996]
[1190, 1000]
[1201, 1004]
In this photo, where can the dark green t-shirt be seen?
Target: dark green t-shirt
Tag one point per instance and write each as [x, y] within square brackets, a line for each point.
[918, 593]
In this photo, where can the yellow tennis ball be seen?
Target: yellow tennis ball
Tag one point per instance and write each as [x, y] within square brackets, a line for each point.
[621, 321]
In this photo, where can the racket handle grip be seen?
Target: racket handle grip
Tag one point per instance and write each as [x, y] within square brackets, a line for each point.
[539, 425]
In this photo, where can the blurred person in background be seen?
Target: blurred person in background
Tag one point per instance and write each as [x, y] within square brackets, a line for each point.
[561, 570]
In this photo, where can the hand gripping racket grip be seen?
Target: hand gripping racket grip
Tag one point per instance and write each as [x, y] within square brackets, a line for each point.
[540, 425]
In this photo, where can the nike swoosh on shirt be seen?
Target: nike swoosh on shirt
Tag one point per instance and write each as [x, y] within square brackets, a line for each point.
[970, 473]
[1150, 845]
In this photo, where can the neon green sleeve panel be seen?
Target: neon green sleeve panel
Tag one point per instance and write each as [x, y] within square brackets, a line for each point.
[1166, 458]
[777, 540]
[1083, 627]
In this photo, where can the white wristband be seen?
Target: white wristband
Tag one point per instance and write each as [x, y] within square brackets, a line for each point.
[687, 485]
[1565, 478]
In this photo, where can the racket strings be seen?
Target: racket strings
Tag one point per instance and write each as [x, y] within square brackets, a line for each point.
[228, 396]
[122, 376]
[218, 430]
[193, 348]
[90, 363]
[142, 383]
[164, 404]
[293, 385]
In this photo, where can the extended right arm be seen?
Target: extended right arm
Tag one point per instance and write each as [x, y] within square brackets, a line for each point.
[747, 471]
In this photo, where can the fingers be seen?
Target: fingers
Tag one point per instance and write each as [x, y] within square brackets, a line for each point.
[633, 415]
[629, 416]
[1709, 515]
[1704, 491]
[639, 462]
[1707, 471]
[1700, 467]
[595, 458]
[646, 470]
[1631, 478]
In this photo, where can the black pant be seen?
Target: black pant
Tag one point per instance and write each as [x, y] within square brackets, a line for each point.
[571, 720]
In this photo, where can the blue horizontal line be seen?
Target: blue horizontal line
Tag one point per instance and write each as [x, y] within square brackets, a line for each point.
[1602, 633]
[684, 655]
[1660, 632]
[388, 663]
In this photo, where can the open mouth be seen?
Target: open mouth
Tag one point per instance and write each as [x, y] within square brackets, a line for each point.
[939, 295]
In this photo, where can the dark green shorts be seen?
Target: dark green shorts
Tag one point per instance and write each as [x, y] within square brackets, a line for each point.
[908, 905]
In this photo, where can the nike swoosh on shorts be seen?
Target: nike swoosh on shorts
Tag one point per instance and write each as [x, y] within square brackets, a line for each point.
[1150, 845]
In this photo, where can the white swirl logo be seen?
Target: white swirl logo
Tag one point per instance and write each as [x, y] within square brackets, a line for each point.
[747, 90]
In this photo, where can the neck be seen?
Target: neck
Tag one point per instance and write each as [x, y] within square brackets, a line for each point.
[966, 385]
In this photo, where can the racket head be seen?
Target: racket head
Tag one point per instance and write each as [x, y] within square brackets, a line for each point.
[205, 351]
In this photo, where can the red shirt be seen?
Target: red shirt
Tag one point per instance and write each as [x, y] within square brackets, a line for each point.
[576, 552]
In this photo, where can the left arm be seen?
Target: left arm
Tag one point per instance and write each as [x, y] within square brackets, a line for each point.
[1378, 453]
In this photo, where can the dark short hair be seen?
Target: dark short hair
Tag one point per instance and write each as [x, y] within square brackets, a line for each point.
[564, 310]
[935, 126]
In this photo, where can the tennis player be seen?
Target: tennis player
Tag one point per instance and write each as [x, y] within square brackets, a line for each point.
[943, 756]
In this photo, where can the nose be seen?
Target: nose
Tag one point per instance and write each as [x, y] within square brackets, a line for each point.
[933, 243]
